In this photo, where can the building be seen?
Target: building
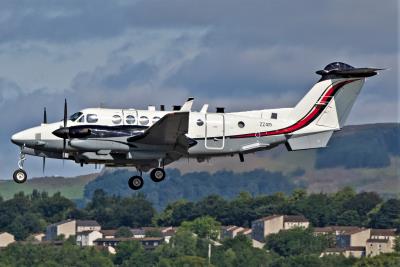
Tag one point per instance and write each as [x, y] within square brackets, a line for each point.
[356, 252]
[87, 225]
[381, 241]
[6, 239]
[86, 238]
[232, 231]
[108, 233]
[353, 238]
[149, 243]
[66, 228]
[38, 237]
[274, 223]
[293, 221]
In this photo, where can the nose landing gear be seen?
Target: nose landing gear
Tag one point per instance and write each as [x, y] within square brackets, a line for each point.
[20, 175]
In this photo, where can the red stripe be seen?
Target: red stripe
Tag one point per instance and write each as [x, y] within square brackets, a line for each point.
[312, 115]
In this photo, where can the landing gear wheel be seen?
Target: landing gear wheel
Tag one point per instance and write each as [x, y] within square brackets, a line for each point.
[20, 176]
[157, 175]
[135, 182]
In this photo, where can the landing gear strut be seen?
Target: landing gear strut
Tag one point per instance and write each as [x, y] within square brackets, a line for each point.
[20, 175]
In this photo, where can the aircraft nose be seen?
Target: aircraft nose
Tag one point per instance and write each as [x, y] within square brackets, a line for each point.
[17, 138]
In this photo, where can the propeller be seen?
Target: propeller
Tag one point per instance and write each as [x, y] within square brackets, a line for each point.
[43, 164]
[44, 122]
[44, 116]
[65, 123]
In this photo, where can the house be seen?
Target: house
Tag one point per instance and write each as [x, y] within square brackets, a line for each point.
[66, 228]
[381, 241]
[274, 223]
[353, 238]
[356, 252]
[232, 231]
[86, 238]
[38, 237]
[87, 225]
[108, 233]
[149, 243]
[6, 239]
[293, 221]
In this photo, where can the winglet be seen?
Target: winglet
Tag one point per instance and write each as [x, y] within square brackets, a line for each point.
[187, 106]
[204, 108]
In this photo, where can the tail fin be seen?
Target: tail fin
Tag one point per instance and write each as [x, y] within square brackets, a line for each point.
[327, 105]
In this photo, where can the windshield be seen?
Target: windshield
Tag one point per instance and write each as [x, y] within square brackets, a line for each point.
[75, 116]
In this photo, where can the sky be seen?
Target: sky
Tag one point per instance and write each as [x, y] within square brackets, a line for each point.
[237, 54]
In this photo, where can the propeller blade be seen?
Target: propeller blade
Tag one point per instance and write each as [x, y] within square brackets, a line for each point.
[65, 113]
[44, 116]
[43, 164]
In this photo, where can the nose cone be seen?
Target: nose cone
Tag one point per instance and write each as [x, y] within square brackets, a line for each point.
[18, 138]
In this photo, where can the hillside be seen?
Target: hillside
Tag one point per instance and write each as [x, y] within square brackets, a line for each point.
[366, 157]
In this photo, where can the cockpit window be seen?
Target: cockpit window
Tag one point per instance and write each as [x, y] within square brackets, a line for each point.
[75, 116]
[91, 118]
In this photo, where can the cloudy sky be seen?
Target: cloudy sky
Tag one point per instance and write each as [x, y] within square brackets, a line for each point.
[238, 54]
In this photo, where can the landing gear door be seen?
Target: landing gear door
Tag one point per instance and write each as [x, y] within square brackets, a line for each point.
[215, 131]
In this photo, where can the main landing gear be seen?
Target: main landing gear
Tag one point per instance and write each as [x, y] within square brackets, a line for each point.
[157, 175]
[20, 175]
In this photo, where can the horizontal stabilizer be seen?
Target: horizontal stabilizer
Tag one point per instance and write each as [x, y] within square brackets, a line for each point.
[309, 141]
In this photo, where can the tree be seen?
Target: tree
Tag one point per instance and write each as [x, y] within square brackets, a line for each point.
[296, 241]
[397, 244]
[153, 233]
[388, 215]
[348, 218]
[204, 227]
[130, 253]
[123, 231]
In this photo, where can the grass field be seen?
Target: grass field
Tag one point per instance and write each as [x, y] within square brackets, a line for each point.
[69, 187]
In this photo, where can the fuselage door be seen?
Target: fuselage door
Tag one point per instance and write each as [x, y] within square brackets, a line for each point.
[215, 131]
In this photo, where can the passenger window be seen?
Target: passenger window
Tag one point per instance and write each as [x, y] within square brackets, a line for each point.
[91, 118]
[155, 119]
[130, 119]
[116, 119]
[274, 115]
[144, 120]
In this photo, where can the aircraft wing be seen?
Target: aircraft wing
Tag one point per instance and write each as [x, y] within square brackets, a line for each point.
[169, 130]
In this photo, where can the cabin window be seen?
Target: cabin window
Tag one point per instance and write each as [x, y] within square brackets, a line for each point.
[155, 119]
[200, 122]
[116, 119]
[130, 119]
[274, 115]
[241, 124]
[91, 118]
[143, 120]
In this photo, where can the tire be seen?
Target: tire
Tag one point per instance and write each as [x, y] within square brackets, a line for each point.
[135, 182]
[20, 176]
[157, 175]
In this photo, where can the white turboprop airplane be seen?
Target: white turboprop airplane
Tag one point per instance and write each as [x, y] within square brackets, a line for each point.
[151, 139]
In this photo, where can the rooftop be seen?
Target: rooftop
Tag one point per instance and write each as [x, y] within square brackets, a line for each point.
[89, 223]
[377, 240]
[383, 232]
[294, 218]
